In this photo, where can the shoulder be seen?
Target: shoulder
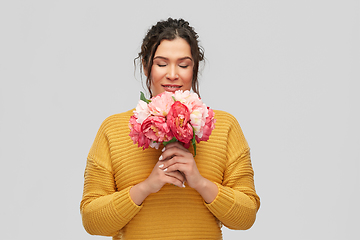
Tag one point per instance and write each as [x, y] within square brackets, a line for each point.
[119, 117]
[223, 114]
[117, 120]
[227, 125]
[224, 118]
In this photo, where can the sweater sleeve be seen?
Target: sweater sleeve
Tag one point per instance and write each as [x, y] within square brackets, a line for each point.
[105, 210]
[237, 203]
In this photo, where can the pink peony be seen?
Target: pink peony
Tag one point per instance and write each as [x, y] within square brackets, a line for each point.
[136, 135]
[189, 99]
[156, 129]
[178, 121]
[198, 110]
[209, 126]
[160, 105]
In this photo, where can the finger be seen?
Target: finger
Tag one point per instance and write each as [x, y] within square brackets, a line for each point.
[170, 169]
[175, 178]
[175, 174]
[172, 152]
[175, 144]
[176, 167]
[170, 162]
[165, 166]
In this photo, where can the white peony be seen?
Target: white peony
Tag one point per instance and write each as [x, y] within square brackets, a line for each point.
[141, 112]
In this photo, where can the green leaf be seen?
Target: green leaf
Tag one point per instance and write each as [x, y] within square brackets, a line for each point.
[173, 98]
[171, 141]
[193, 141]
[143, 98]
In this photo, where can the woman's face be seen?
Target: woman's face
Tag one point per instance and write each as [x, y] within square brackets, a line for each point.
[172, 67]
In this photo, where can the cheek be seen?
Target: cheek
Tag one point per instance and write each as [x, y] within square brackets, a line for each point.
[155, 79]
[187, 76]
[156, 74]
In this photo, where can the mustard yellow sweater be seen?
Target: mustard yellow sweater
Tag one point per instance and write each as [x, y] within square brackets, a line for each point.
[115, 164]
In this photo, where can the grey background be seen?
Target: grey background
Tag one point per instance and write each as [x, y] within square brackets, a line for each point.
[288, 71]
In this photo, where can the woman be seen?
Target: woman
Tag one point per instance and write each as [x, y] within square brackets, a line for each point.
[131, 193]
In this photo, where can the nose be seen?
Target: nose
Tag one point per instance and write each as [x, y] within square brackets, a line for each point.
[172, 73]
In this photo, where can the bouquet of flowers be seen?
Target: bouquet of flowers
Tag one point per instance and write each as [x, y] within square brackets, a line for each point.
[169, 117]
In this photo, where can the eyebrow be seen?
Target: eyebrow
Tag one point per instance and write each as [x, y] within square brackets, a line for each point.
[164, 58]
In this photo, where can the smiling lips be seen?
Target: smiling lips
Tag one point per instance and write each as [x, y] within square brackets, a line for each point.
[171, 88]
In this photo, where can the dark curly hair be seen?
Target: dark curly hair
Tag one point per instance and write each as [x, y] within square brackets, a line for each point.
[169, 30]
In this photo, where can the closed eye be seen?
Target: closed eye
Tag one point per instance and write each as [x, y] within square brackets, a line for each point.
[183, 66]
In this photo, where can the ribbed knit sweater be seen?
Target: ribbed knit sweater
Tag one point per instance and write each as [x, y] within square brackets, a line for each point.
[115, 164]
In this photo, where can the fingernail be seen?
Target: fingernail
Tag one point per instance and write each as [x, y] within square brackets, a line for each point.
[163, 149]
[165, 170]
[161, 165]
[161, 157]
[183, 185]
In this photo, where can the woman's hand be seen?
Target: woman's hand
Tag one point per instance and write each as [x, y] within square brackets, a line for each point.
[156, 180]
[176, 166]
[177, 158]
